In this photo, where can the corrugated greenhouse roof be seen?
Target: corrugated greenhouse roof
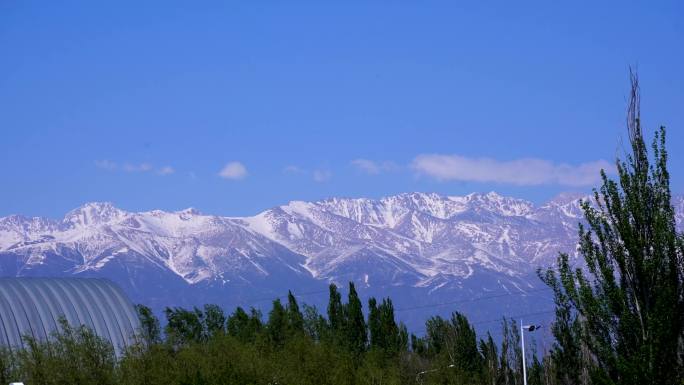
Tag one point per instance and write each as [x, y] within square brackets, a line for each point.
[34, 306]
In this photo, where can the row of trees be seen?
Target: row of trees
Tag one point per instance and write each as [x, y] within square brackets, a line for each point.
[292, 345]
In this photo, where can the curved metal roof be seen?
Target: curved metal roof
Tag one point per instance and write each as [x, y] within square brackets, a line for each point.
[33, 307]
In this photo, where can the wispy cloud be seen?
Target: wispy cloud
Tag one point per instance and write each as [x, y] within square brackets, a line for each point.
[133, 167]
[106, 164]
[322, 175]
[166, 170]
[233, 170]
[294, 170]
[522, 172]
[142, 167]
[372, 167]
[319, 175]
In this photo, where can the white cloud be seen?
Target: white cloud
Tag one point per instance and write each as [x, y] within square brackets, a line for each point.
[142, 167]
[318, 175]
[322, 175]
[522, 172]
[166, 170]
[372, 167]
[233, 170]
[133, 167]
[106, 164]
[294, 170]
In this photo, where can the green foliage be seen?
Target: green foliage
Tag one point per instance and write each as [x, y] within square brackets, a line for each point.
[315, 325]
[150, 331]
[277, 324]
[245, 327]
[75, 356]
[184, 326]
[510, 359]
[295, 319]
[335, 311]
[8, 367]
[385, 334]
[490, 361]
[622, 319]
[356, 334]
[464, 346]
[290, 348]
[214, 320]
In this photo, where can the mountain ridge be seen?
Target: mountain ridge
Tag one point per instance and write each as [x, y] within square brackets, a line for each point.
[411, 244]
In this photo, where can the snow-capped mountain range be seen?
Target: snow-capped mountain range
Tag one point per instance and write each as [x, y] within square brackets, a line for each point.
[414, 246]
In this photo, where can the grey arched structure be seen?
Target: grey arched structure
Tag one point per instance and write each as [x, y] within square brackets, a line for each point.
[34, 306]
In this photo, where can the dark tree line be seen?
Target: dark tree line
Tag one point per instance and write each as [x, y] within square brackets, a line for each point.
[291, 345]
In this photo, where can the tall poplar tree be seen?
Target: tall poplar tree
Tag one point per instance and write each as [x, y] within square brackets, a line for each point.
[623, 315]
[295, 319]
[355, 324]
[277, 324]
[335, 311]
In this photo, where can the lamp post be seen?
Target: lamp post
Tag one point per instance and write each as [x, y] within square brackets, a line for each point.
[529, 328]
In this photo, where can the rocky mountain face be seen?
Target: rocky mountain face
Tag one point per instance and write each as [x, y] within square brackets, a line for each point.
[432, 254]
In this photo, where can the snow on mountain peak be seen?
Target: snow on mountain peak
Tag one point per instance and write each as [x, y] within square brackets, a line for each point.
[498, 204]
[93, 213]
[416, 243]
[566, 205]
[189, 213]
[568, 197]
[389, 211]
[407, 238]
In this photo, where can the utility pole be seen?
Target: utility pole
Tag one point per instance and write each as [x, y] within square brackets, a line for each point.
[522, 344]
[529, 328]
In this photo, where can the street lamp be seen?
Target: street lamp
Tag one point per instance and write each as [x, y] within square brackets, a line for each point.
[529, 328]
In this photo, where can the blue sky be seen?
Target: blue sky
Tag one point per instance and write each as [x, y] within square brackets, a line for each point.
[234, 107]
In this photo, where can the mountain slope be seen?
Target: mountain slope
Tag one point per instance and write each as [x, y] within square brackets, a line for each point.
[412, 246]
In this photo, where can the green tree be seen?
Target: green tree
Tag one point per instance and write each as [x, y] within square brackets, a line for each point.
[464, 346]
[436, 335]
[214, 320]
[535, 374]
[277, 324]
[184, 326]
[390, 340]
[355, 324]
[490, 361]
[244, 327]
[238, 324]
[335, 311]
[7, 366]
[315, 325]
[418, 345]
[295, 319]
[73, 356]
[566, 353]
[628, 304]
[374, 324]
[510, 359]
[385, 333]
[150, 331]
